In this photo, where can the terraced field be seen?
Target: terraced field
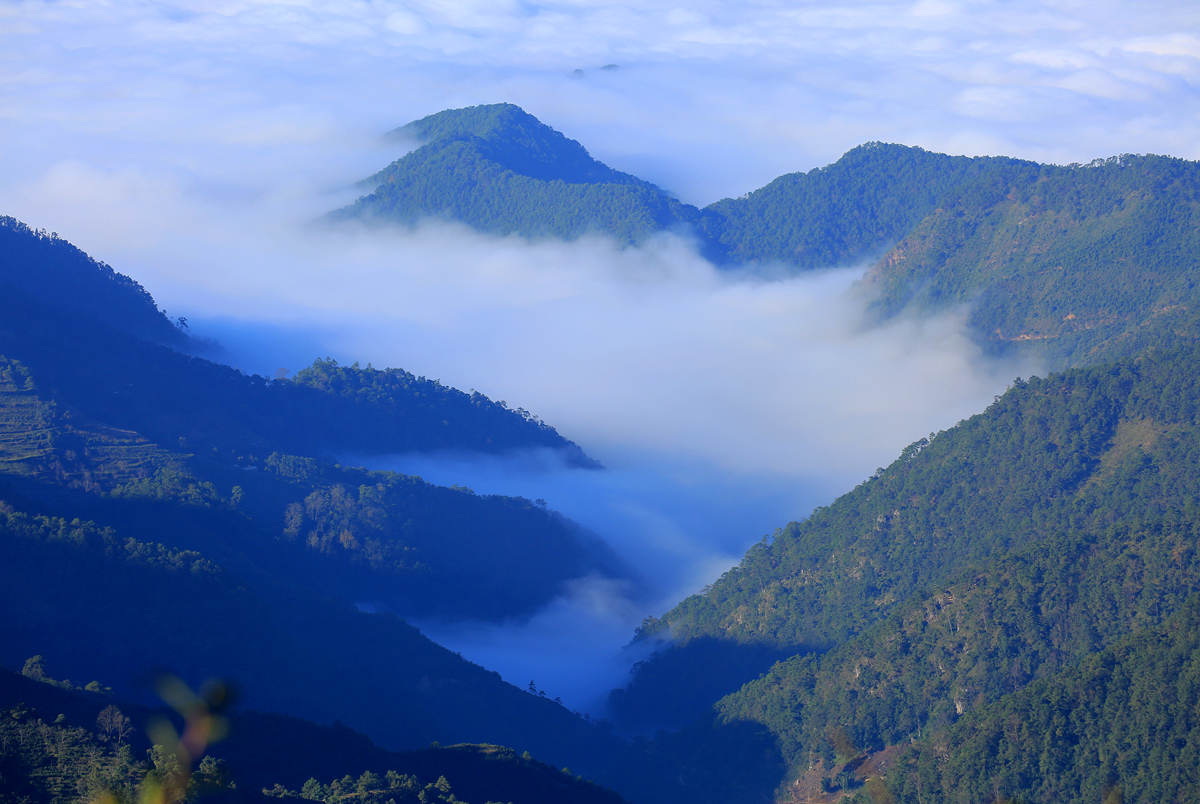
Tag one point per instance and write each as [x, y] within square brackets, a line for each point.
[40, 441]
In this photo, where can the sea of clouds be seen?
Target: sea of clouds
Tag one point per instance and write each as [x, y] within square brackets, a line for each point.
[192, 145]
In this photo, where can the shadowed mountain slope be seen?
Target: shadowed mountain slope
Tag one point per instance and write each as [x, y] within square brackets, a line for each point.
[49, 268]
[164, 511]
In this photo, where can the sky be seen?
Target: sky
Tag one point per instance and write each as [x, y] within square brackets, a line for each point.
[191, 145]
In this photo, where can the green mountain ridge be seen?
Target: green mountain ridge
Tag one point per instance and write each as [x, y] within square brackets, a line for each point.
[1078, 265]
[514, 139]
[1003, 552]
[1066, 264]
[1005, 611]
[502, 171]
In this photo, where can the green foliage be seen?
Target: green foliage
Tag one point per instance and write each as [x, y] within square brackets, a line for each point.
[88, 538]
[517, 176]
[873, 196]
[1121, 726]
[501, 554]
[39, 440]
[56, 763]
[995, 554]
[413, 413]
[371, 788]
[1076, 264]
[169, 483]
[484, 770]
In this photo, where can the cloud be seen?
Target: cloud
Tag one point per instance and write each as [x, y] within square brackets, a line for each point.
[679, 521]
[191, 144]
[712, 100]
[724, 407]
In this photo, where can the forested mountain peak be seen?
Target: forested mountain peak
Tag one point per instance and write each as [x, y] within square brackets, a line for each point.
[1070, 264]
[513, 138]
[481, 121]
[499, 169]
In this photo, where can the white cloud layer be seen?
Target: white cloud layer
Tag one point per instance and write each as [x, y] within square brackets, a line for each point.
[711, 99]
[189, 144]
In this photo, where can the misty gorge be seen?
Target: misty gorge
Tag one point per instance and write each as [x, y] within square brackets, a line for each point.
[733, 452]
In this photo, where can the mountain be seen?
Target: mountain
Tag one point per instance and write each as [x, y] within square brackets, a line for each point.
[92, 415]
[500, 170]
[1119, 726]
[159, 510]
[1078, 264]
[1005, 611]
[1067, 264]
[999, 553]
[135, 384]
[841, 214]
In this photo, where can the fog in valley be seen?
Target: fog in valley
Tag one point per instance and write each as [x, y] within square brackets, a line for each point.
[723, 405]
[194, 147]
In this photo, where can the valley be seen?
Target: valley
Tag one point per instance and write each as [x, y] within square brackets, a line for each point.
[1004, 610]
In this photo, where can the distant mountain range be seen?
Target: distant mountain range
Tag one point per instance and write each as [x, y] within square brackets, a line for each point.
[1070, 264]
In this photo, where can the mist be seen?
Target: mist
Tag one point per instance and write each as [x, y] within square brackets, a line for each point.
[194, 145]
[677, 524]
[723, 406]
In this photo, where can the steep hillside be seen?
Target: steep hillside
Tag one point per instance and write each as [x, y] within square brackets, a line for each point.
[95, 600]
[1001, 552]
[390, 539]
[133, 384]
[1121, 726]
[1078, 264]
[843, 213]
